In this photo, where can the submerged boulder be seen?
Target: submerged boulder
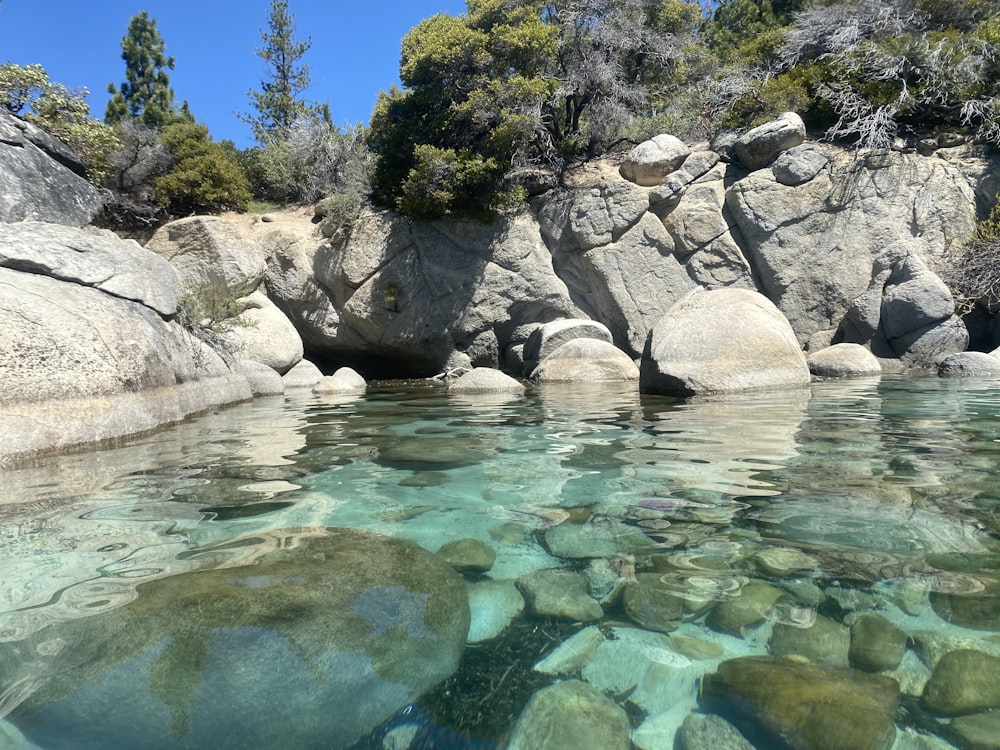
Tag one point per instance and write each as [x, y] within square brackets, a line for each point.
[721, 340]
[808, 706]
[316, 637]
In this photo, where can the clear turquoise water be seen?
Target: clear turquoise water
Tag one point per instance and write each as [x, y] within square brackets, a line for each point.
[884, 483]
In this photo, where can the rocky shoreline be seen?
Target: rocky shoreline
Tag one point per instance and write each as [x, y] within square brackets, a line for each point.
[741, 264]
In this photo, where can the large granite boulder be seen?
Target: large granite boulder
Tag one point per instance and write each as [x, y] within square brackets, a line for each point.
[546, 339]
[409, 294]
[310, 639]
[721, 340]
[40, 178]
[262, 333]
[90, 347]
[850, 255]
[649, 162]
[845, 361]
[485, 380]
[757, 148]
[586, 361]
[210, 250]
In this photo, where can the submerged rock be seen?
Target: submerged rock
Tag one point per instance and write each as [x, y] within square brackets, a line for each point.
[559, 593]
[824, 642]
[598, 539]
[313, 641]
[493, 605]
[977, 731]
[653, 604]
[701, 732]
[469, 555]
[964, 681]
[809, 707]
[876, 643]
[569, 716]
[749, 608]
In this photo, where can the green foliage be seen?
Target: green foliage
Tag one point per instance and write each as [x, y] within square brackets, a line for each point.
[210, 311]
[145, 94]
[61, 112]
[744, 31]
[205, 177]
[20, 86]
[277, 103]
[520, 84]
[339, 212]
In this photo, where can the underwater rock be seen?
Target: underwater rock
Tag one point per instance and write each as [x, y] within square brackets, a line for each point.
[568, 716]
[420, 453]
[324, 635]
[746, 610]
[824, 642]
[876, 643]
[700, 649]
[559, 593]
[808, 706]
[598, 539]
[468, 555]
[963, 682]
[976, 731]
[710, 732]
[652, 604]
[979, 610]
[574, 654]
[783, 562]
[493, 605]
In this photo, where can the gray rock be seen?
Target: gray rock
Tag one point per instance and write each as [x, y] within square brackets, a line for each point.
[568, 716]
[580, 220]
[758, 147]
[41, 179]
[710, 732]
[210, 250]
[824, 642]
[468, 555]
[354, 622]
[304, 375]
[573, 654]
[800, 164]
[721, 340]
[699, 163]
[667, 195]
[545, 340]
[263, 380]
[264, 334]
[843, 361]
[559, 593]
[876, 644]
[485, 380]
[963, 682]
[598, 539]
[91, 258]
[969, 365]
[494, 604]
[344, 381]
[783, 562]
[586, 360]
[649, 162]
[652, 604]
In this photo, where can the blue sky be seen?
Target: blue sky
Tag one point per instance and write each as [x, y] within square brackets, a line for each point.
[355, 52]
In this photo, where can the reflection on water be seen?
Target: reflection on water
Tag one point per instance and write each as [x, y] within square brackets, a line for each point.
[883, 488]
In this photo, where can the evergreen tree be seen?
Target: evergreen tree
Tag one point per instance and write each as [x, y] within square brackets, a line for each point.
[277, 103]
[145, 94]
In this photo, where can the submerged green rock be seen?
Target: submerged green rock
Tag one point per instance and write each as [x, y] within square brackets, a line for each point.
[809, 707]
[570, 715]
[319, 637]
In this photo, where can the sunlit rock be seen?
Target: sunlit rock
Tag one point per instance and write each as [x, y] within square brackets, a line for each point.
[963, 682]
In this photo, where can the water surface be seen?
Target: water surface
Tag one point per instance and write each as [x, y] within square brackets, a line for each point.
[890, 486]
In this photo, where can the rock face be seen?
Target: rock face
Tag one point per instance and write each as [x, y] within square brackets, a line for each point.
[331, 630]
[721, 340]
[90, 349]
[41, 179]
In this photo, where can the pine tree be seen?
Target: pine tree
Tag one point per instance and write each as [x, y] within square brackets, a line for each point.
[277, 103]
[145, 94]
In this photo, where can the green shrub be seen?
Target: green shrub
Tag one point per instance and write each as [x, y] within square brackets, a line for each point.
[205, 177]
[339, 213]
